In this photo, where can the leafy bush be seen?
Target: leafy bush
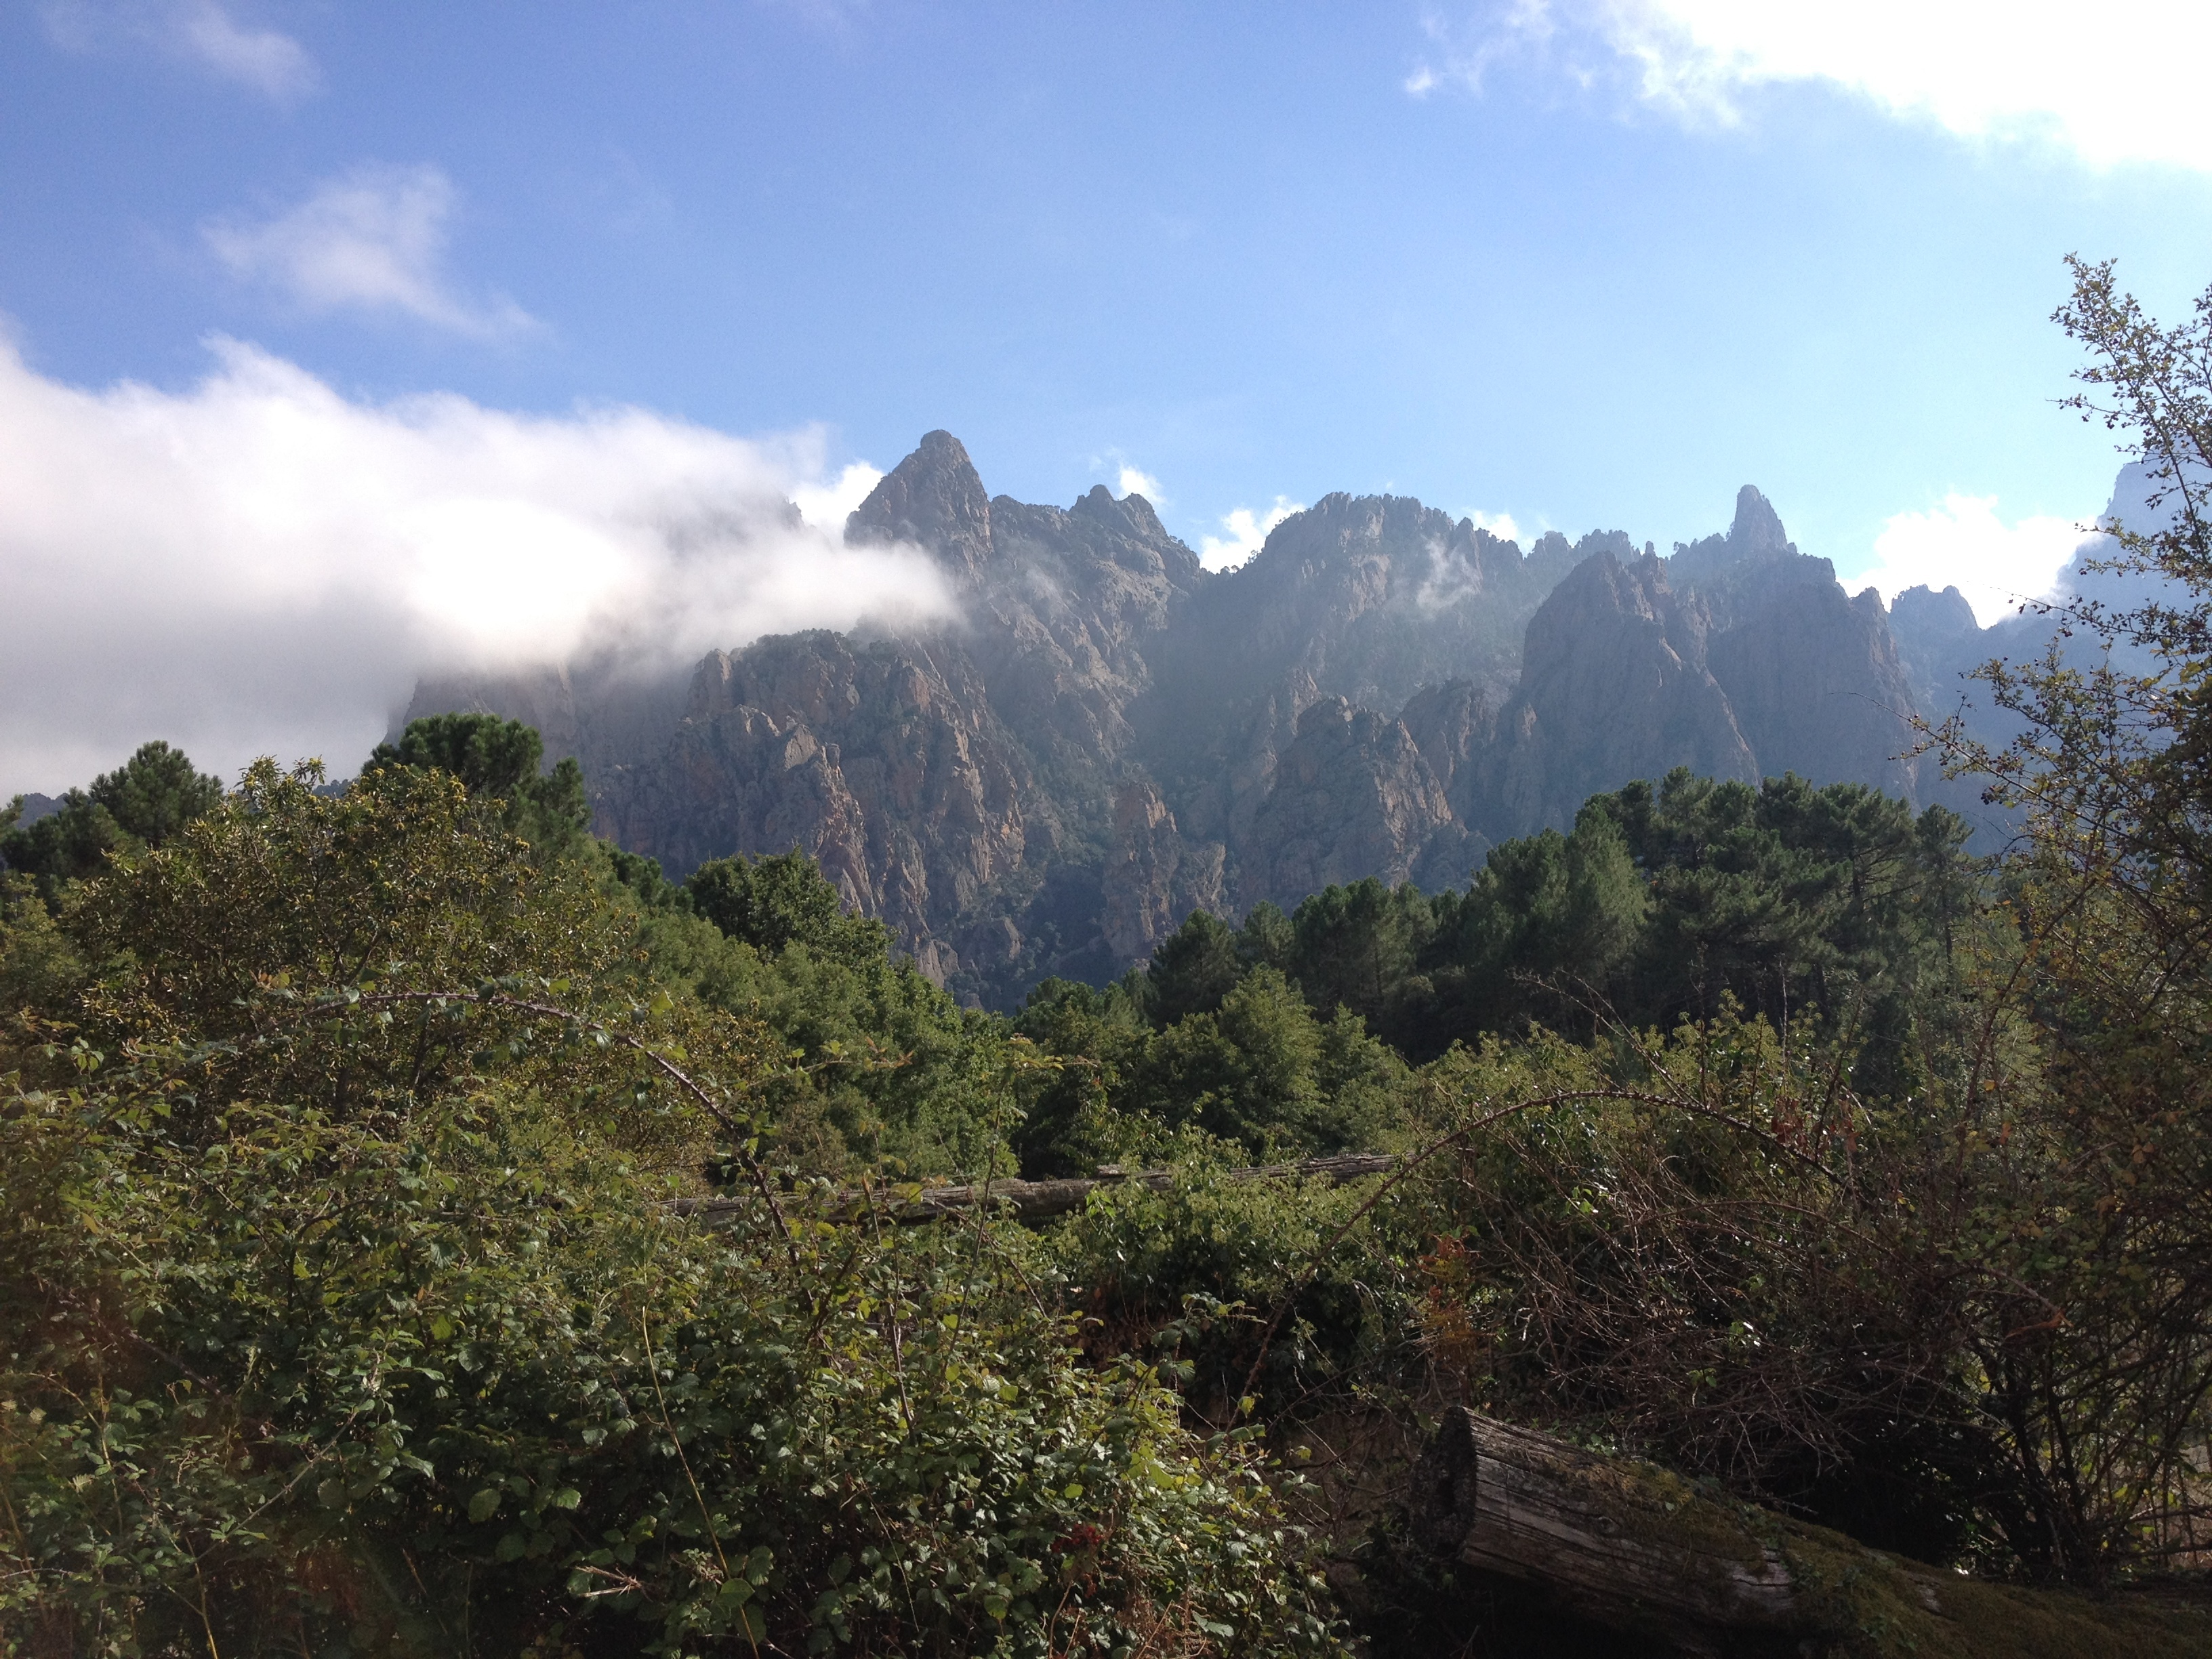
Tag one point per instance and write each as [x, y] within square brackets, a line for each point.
[343, 1304]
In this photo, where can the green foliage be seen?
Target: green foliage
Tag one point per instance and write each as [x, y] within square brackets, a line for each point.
[1193, 969]
[1360, 948]
[498, 760]
[889, 1073]
[341, 1304]
[356, 910]
[782, 899]
[1791, 897]
[1260, 1072]
[642, 876]
[1075, 1115]
[2089, 1137]
[1266, 938]
[1263, 1071]
[1544, 933]
[39, 964]
[473, 1381]
[1704, 1247]
[1201, 1268]
[1785, 900]
[142, 803]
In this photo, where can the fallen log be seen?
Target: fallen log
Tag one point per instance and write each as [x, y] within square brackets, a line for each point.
[1029, 1200]
[1627, 1546]
[1620, 1544]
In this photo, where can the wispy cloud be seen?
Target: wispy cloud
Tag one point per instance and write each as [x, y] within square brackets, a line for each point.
[1136, 482]
[372, 240]
[1964, 543]
[1499, 525]
[2125, 86]
[1247, 532]
[1462, 50]
[260, 565]
[204, 32]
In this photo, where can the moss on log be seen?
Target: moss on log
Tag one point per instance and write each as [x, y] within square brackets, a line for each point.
[1633, 1548]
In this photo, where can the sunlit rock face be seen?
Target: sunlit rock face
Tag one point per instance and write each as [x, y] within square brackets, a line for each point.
[1108, 736]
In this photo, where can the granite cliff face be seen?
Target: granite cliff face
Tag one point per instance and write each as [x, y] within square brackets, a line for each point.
[1351, 796]
[884, 760]
[1614, 684]
[1110, 737]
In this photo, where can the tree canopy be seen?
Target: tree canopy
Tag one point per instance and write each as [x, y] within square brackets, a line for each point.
[142, 803]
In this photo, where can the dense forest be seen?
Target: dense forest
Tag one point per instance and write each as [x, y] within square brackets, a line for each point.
[425, 1228]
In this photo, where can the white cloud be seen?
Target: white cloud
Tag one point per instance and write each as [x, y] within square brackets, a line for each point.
[258, 565]
[2121, 83]
[827, 506]
[271, 62]
[374, 240]
[1134, 482]
[1247, 532]
[1965, 544]
[1499, 525]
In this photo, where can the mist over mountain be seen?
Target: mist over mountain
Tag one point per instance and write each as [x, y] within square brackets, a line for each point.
[1108, 736]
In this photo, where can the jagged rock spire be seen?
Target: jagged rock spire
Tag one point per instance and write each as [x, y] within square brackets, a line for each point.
[1757, 531]
[933, 498]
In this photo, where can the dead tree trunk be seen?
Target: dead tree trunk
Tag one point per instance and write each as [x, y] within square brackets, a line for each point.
[1039, 1200]
[1618, 1543]
[1629, 1547]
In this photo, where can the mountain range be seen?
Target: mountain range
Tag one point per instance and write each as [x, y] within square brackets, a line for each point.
[1111, 736]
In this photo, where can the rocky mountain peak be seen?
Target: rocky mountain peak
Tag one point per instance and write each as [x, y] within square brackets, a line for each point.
[1923, 614]
[1755, 539]
[1131, 515]
[1756, 533]
[934, 497]
[1613, 682]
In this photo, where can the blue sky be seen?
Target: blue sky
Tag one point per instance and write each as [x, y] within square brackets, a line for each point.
[1593, 262]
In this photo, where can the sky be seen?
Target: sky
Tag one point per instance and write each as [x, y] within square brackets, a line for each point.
[341, 343]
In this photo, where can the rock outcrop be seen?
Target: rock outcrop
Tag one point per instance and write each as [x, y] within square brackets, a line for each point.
[1369, 597]
[1153, 878]
[883, 761]
[1351, 796]
[933, 499]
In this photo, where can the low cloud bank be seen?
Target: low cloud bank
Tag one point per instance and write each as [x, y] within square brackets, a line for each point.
[259, 565]
[1963, 543]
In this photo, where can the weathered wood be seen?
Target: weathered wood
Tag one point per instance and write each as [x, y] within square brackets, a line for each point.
[1038, 1200]
[1616, 1543]
[1627, 1547]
